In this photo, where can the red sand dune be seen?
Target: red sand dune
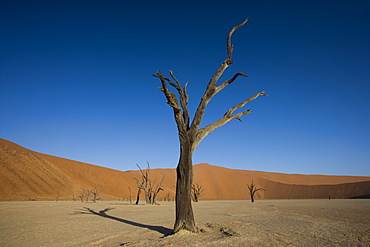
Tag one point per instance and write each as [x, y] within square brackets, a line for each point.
[25, 175]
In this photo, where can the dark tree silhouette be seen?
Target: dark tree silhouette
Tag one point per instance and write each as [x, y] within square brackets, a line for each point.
[190, 133]
[253, 189]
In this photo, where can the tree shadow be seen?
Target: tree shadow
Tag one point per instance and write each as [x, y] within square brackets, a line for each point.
[102, 213]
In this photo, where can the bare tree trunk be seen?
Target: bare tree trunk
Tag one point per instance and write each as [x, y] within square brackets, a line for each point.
[184, 210]
[138, 196]
[147, 198]
[129, 188]
[87, 195]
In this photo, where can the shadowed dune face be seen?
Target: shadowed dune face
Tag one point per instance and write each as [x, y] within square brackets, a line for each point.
[26, 175]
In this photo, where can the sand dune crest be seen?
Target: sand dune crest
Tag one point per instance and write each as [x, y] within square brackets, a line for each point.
[27, 175]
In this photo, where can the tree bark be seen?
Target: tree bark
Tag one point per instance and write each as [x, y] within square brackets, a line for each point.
[138, 196]
[184, 170]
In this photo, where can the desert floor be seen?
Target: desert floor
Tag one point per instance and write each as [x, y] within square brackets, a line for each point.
[222, 223]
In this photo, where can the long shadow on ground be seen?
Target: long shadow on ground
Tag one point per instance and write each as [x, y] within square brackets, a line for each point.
[165, 231]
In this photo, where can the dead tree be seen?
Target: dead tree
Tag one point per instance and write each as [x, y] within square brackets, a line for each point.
[143, 185]
[82, 197]
[190, 133]
[197, 191]
[151, 189]
[253, 189]
[87, 193]
[154, 191]
[95, 192]
[167, 197]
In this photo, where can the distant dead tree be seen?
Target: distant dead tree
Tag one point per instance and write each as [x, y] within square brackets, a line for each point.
[129, 189]
[95, 192]
[82, 197]
[87, 194]
[74, 197]
[143, 184]
[167, 197]
[151, 189]
[154, 190]
[253, 189]
[197, 190]
[190, 134]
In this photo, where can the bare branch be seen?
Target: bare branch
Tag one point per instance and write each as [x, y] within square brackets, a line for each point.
[227, 117]
[183, 98]
[211, 87]
[229, 45]
[229, 112]
[171, 97]
[228, 82]
[172, 101]
[259, 189]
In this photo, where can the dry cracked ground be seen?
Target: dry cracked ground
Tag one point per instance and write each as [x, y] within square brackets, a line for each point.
[220, 223]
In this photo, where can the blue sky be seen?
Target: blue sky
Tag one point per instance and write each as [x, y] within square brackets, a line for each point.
[76, 81]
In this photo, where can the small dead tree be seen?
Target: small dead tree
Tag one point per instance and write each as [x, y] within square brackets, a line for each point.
[253, 189]
[154, 192]
[143, 184]
[151, 189]
[197, 190]
[95, 192]
[81, 197]
[167, 197]
[190, 134]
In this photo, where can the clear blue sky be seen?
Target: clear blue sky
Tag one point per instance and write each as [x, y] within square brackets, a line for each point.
[76, 81]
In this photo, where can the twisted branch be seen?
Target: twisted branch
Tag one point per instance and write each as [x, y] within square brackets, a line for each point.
[230, 47]
[211, 87]
[172, 101]
[183, 98]
[227, 117]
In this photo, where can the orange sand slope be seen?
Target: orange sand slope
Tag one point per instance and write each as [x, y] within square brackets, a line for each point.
[26, 175]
